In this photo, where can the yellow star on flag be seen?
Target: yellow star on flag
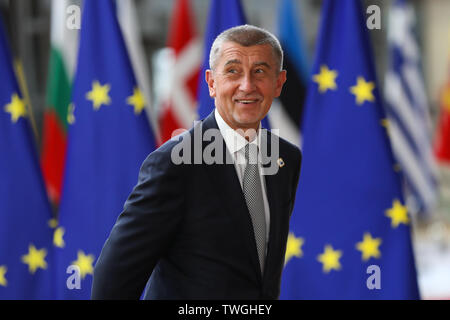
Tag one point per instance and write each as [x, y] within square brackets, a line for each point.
[398, 214]
[85, 263]
[3, 281]
[293, 247]
[35, 259]
[330, 259]
[17, 108]
[52, 223]
[363, 91]
[58, 240]
[99, 95]
[369, 247]
[385, 123]
[326, 79]
[70, 114]
[137, 100]
[446, 98]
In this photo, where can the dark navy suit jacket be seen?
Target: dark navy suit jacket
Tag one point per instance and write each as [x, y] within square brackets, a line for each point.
[187, 227]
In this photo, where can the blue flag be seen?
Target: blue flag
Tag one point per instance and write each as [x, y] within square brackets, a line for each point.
[223, 14]
[296, 63]
[350, 230]
[292, 39]
[108, 139]
[26, 259]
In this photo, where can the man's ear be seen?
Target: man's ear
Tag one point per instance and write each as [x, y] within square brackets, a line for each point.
[209, 77]
[281, 79]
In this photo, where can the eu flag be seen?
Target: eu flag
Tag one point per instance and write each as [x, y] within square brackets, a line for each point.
[25, 234]
[350, 232]
[223, 14]
[108, 138]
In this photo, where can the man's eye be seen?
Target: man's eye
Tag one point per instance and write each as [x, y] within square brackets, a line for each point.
[259, 71]
[232, 71]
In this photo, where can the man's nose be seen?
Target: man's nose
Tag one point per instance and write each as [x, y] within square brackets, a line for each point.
[247, 83]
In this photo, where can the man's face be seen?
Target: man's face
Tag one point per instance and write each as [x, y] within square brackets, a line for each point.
[244, 83]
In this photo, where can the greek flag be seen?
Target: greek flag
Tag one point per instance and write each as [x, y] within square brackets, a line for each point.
[407, 108]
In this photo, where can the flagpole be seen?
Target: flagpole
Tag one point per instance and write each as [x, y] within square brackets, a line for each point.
[18, 68]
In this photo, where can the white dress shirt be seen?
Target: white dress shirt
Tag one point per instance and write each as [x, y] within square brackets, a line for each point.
[236, 146]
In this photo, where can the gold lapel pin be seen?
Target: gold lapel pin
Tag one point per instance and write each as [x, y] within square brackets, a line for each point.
[281, 162]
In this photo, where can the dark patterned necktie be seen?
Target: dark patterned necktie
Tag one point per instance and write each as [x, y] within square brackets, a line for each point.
[254, 198]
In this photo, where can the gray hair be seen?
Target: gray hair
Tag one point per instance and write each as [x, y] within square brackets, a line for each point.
[245, 35]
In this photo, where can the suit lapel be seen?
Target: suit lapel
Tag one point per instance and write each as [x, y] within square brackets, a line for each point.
[225, 180]
[273, 186]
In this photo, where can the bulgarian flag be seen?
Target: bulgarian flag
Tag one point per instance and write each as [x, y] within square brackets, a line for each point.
[64, 43]
[442, 143]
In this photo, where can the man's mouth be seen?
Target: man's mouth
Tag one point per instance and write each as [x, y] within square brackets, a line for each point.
[246, 101]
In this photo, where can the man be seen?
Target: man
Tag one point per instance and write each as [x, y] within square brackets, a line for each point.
[203, 230]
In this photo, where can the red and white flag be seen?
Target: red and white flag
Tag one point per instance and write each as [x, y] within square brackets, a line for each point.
[179, 105]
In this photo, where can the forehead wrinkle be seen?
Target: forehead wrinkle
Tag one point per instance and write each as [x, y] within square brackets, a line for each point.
[262, 63]
[233, 61]
[256, 64]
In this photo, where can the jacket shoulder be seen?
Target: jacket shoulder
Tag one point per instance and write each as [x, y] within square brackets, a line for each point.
[287, 147]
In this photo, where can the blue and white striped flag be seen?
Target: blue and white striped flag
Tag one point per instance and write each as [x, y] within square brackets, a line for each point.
[408, 111]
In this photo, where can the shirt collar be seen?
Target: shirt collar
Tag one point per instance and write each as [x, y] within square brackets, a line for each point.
[234, 140]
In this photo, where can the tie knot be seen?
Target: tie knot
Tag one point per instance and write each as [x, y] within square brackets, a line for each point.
[251, 153]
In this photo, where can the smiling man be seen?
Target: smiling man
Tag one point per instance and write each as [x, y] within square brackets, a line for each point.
[212, 231]
[244, 79]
